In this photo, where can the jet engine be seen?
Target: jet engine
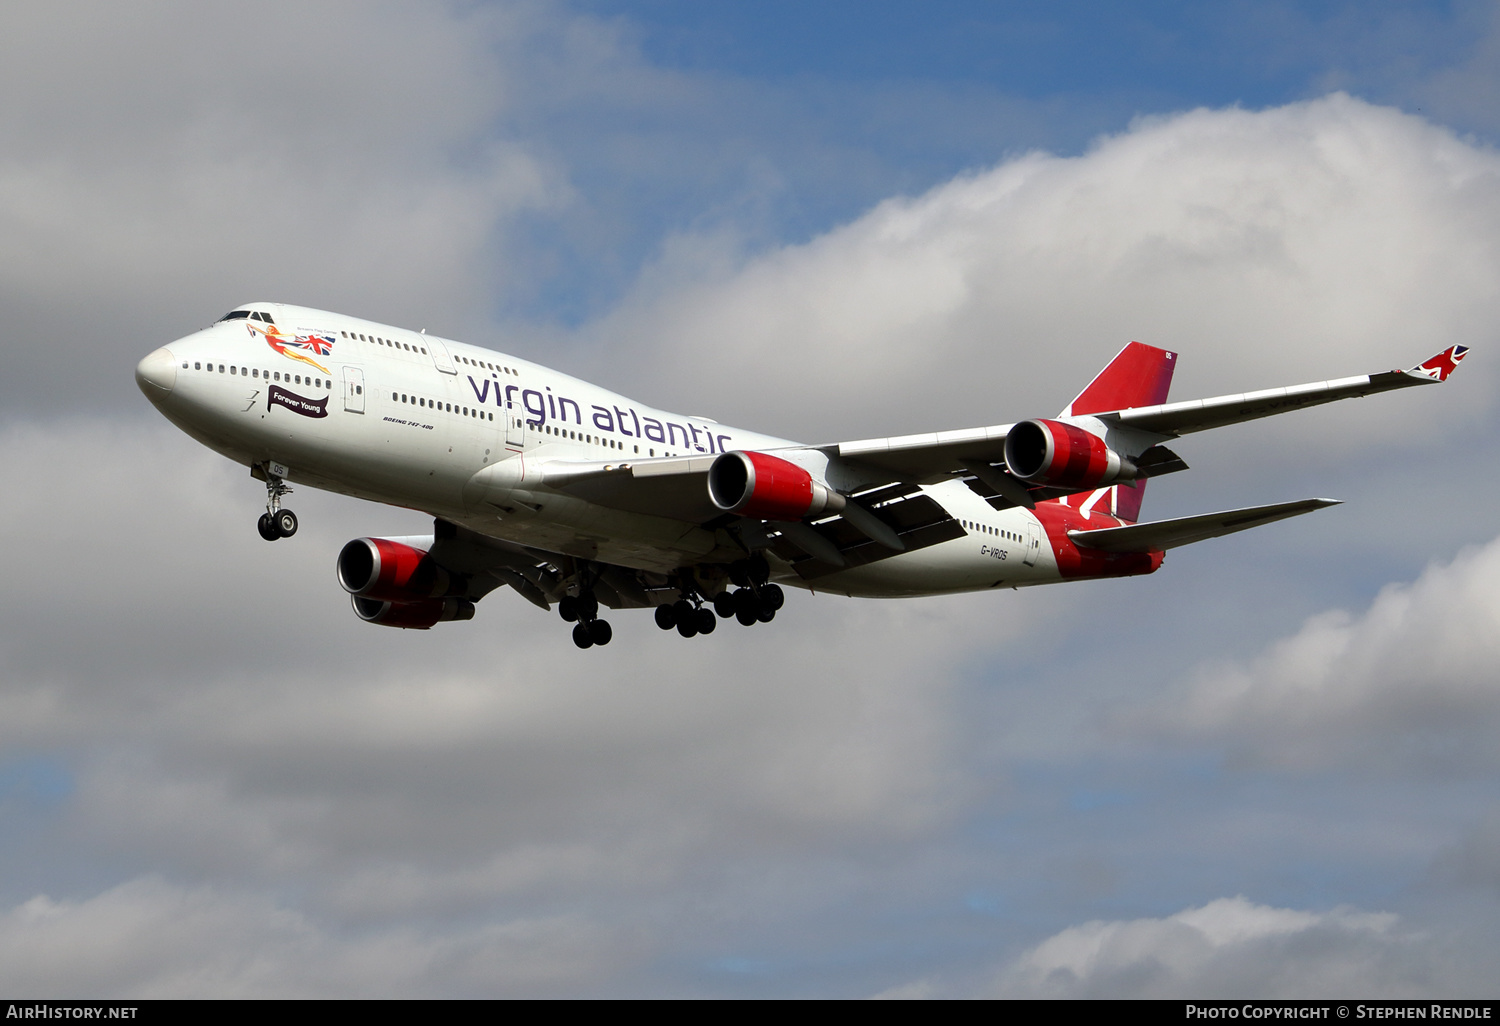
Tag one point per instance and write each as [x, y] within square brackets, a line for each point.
[418, 615]
[385, 569]
[399, 585]
[753, 484]
[1049, 452]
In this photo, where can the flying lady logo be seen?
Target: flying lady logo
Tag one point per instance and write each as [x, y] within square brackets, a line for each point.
[294, 346]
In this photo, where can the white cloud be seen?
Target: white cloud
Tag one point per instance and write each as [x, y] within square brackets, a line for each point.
[150, 939]
[1313, 240]
[1408, 682]
[1232, 948]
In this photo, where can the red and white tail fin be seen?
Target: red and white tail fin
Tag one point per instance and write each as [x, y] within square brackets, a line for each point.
[1139, 375]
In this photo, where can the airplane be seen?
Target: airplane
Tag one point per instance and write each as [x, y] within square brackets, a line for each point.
[576, 497]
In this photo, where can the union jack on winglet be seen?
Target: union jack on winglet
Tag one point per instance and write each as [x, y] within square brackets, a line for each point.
[1443, 364]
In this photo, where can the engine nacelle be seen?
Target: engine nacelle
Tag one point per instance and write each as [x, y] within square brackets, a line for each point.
[753, 484]
[418, 615]
[1050, 452]
[383, 569]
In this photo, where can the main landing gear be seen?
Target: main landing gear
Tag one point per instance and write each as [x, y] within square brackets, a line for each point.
[583, 611]
[276, 522]
[754, 601]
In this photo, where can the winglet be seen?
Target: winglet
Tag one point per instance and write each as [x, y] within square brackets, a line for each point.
[1443, 364]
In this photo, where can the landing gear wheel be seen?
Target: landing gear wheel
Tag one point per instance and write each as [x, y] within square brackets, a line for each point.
[706, 620]
[739, 573]
[766, 615]
[582, 637]
[687, 626]
[745, 602]
[286, 523]
[266, 525]
[567, 608]
[724, 604]
[666, 617]
[600, 632]
[587, 606]
[747, 617]
[772, 597]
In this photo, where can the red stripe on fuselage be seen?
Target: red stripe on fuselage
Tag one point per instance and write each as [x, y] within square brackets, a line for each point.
[1058, 517]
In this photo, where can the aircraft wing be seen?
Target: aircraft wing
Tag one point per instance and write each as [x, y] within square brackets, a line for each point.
[1173, 419]
[929, 458]
[1160, 535]
[675, 487]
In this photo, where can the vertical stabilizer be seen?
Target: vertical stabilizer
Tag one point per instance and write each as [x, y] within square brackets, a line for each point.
[1139, 375]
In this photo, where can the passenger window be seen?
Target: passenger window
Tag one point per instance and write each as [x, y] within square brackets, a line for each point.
[359, 390]
[197, 366]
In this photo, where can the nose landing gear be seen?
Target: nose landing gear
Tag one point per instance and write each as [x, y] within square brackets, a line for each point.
[275, 522]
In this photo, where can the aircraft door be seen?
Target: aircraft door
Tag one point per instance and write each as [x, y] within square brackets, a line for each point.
[439, 353]
[354, 390]
[1033, 543]
[515, 426]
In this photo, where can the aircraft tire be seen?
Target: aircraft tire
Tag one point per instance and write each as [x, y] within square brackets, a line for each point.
[766, 615]
[266, 525]
[745, 602]
[687, 626]
[588, 607]
[286, 523]
[739, 573]
[706, 621]
[760, 570]
[724, 604]
[666, 617]
[567, 608]
[772, 597]
[581, 636]
[600, 632]
[746, 617]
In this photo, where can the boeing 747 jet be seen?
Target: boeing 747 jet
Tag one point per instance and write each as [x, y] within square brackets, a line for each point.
[577, 498]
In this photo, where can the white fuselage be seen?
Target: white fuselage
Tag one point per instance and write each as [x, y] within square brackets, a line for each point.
[408, 419]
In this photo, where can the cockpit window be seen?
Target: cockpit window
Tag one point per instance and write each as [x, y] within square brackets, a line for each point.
[235, 315]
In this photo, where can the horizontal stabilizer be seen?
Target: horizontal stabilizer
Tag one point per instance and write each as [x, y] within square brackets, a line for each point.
[1166, 534]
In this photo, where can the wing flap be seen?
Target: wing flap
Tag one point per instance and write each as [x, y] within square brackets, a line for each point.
[1160, 535]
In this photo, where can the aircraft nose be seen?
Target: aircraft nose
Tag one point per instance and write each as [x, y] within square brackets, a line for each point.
[157, 374]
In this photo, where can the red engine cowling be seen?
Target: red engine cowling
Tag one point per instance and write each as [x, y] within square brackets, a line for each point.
[753, 484]
[1050, 452]
[418, 615]
[386, 570]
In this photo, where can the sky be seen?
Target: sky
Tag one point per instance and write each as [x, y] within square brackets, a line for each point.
[1268, 769]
